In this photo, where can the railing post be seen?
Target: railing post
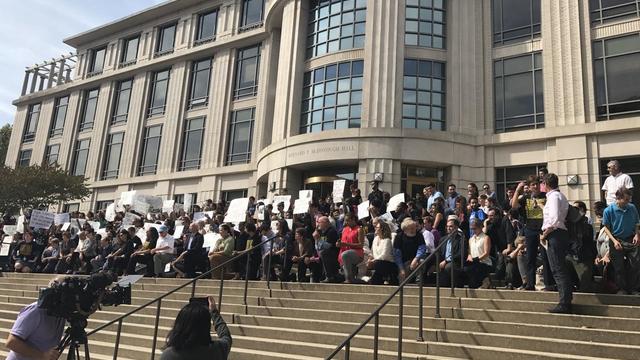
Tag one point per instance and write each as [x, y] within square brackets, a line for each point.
[193, 288]
[375, 336]
[269, 267]
[347, 350]
[155, 330]
[420, 305]
[115, 350]
[437, 315]
[400, 316]
[451, 270]
[220, 289]
[246, 278]
[284, 265]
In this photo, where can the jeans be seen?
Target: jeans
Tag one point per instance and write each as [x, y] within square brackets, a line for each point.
[557, 249]
[350, 261]
[330, 263]
[532, 243]
[626, 273]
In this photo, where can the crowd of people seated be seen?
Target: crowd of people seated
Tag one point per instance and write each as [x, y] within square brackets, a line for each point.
[487, 241]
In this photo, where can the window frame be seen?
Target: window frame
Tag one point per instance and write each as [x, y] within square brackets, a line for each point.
[245, 156]
[109, 174]
[200, 101]
[151, 110]
[55, 130]
[161, 34]
[76, 154]
[125, 51]
[91, 70]
[252, 90]
[49, 154]
[320, 27]
[83, 124]
[198, 38]
[502, 183]
[244, 26]
[186, 164]
[538, 116]
[226, 194]
[142, 171]
[596, 15]
[31, 123]
[23, 159]
[419, 63]
[498, 37]
[416, 4]
[117, 119]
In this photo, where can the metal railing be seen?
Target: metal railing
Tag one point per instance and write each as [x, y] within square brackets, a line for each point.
[375, 315]
[119, 320]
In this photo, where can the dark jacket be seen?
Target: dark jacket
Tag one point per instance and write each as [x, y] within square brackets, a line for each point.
[197, 240]
[217, 349]
[458, 244]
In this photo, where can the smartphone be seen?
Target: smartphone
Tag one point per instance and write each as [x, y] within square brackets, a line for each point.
[199, 300]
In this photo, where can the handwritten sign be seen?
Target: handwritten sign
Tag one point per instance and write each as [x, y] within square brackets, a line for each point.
[305, 194]
[126, 198]
[338, 190]
[188, 201]
[286, 199]
[167, 206]
[211, 240]
[59, 219]
[110, 213]
[177, 233]
[129, 218]
[10, 229]
[363, 210]
[41, 219]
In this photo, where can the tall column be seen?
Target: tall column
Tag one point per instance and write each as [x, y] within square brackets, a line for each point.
[60, 72]
[52, 70]
[34, 81]
[42, 80]
[25, 82]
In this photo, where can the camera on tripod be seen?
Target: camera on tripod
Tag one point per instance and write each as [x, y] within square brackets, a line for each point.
[75, 299]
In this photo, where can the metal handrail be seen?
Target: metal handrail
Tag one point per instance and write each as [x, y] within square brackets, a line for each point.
[192, 282]
[375, 315]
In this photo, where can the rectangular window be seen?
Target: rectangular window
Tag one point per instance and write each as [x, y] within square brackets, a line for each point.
[200, 78]
[97, 61]
[518, 93]
[515, 20]
[159, 88]
[51, 157]
[423, 97]
[102, 205]
[240, 137]
[192, 144]
[31, 123]
[603, 11]
[80, 157]
[247, 72]
[59, 115]
[335, 25]
[229, 195]
[425, 23]
[129, 51]
[207, 25]
[179, 199]
[150, 150]
[113, 152]
[166, 40]
[88, 114]
[617, 75]
[121, 103]
[25, 158]
[71, 208]
[332, 97]
[252, 12]
[510, 177]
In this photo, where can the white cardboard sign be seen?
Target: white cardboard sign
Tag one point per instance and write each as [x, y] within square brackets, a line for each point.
[59, 219]
[41, 219]
[338, 190]
[394, 201]
[237, 211]
[286, 199]
[301, 206]
[363, 210]
[126, 198]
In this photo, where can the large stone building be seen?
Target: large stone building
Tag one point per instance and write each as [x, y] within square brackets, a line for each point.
[225, 98]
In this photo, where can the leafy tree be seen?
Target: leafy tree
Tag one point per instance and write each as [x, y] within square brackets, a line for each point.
[36, 186]
[5, 136]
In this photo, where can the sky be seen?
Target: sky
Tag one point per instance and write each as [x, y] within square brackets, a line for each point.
[32, 31]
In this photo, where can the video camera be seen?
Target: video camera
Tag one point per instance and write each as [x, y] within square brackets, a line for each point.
[76, 298]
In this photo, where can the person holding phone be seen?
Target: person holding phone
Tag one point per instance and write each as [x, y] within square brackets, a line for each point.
[190, 337]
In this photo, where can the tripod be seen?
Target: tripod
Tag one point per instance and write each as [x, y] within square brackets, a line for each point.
[75, 335]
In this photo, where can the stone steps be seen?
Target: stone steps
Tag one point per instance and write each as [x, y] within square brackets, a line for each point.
[306, 321]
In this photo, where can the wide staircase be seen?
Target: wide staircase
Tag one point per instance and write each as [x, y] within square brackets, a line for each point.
[307, 321]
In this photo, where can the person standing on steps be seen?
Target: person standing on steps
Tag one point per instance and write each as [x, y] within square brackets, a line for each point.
[554, 232]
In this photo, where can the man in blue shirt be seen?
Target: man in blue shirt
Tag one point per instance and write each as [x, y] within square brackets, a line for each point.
[431, 193]
[476, 212]
[621, 218]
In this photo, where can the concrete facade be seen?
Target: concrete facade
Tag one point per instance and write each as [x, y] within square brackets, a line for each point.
[572, 142]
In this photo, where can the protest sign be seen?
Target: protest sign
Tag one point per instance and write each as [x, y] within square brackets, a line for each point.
[237, 211]
[126, 198]
[188, 202]
[20, 224]
[300, 206]
[290, 223]
[65, 226]
[363, 210]
[10, 229]
[305, 194]
[211, 240]
[129, 218]
[338, 190]
[167, 206]
[140, 205]
[177, 233]
[41, 219]
[95, 225]
[110, 213]
[120, 206]
[202, 216]
[286, 199]
[394, 201]
[61, 218]
[142, 235]
[5, 248]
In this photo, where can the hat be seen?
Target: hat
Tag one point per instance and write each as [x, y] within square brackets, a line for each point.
[453, 217]
[162, 228]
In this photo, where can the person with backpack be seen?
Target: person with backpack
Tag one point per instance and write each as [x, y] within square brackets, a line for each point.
[556, 236]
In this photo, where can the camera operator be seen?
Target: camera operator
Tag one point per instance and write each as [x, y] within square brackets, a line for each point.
[190, 337]
[35, 334]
